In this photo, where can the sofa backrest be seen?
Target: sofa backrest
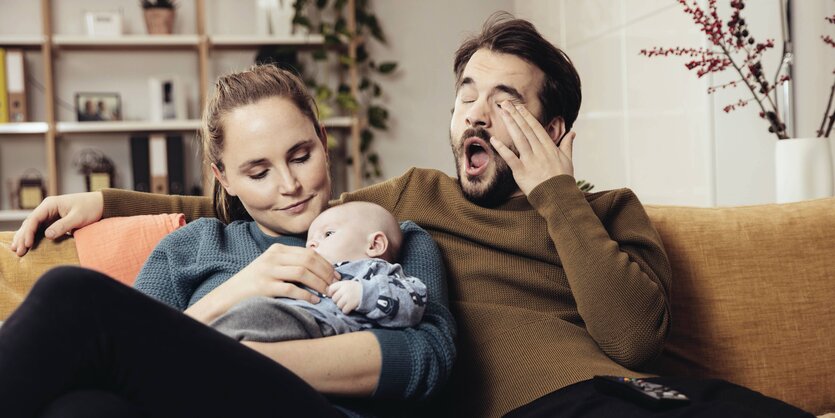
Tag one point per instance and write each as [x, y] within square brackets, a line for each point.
[752, 297]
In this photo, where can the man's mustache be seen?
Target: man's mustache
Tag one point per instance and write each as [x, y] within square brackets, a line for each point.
[478, 133]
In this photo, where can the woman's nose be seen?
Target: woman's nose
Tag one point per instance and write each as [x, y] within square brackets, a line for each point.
[288, 184]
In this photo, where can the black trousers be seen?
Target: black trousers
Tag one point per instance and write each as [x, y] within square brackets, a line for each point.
[708, 398]
[82, 344]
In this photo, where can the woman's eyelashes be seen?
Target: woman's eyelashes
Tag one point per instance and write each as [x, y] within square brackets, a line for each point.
[260, 175]
[297, 160]
[301, 159]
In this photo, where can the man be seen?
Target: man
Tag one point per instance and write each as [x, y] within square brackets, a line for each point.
[550, 286]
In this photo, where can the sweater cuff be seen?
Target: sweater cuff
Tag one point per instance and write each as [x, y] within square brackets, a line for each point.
[395, 372]
[556, 189]
[113, 202]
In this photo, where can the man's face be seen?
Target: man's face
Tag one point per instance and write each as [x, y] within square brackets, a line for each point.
[489, 78]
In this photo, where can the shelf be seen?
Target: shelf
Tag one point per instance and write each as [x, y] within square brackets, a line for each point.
[25, 42]
[341, 122]
[125, 41]
[13, 215]
[127, 126]
[23, 128]
[238, 41]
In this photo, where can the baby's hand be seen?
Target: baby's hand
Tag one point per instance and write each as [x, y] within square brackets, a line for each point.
[346, 294]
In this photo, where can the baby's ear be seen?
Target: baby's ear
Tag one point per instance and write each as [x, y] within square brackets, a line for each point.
[378, 244]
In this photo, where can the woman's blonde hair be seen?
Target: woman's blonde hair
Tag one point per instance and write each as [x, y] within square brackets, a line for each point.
[239, 89]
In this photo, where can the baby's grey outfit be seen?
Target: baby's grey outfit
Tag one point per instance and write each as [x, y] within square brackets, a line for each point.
[390, 299]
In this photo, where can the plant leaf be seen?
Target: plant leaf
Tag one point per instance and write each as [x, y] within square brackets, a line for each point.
[387, 67]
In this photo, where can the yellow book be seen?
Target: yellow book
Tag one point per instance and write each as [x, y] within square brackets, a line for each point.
[4, 95]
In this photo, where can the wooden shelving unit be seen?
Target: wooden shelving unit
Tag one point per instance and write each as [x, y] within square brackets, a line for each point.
[13, 215]
[201, 43]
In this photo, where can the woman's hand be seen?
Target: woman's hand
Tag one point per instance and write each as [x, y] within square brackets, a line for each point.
[274, 273]
[72, 211]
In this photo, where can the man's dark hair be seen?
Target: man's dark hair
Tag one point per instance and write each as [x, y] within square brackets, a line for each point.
[560, 93]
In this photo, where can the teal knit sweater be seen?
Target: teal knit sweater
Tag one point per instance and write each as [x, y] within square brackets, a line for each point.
[192, 261]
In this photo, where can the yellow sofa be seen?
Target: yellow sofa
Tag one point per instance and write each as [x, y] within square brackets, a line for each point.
[753, 297]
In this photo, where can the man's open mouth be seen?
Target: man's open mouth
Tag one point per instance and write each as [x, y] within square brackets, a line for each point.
[477, 153]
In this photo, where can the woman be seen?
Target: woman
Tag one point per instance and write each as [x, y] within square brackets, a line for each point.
[80, 336]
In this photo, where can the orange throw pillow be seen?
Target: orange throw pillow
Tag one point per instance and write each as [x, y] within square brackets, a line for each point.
[119, 246]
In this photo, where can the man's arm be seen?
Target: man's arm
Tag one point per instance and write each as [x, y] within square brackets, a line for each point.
[118, 202]
[618, 272]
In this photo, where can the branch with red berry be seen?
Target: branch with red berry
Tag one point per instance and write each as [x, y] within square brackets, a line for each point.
[733, 46]
[828, 118]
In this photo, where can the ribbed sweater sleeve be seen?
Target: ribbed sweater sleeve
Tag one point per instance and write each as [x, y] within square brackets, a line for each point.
[194, 259]
[619, 273]
[118, 202]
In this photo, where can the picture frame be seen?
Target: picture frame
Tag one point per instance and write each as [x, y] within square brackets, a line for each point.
[97, 107]
[167, 97]
[103, 23]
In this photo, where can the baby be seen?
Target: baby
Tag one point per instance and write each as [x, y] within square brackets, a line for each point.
[362, 240]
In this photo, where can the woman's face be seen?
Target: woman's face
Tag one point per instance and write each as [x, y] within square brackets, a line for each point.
[276, 164]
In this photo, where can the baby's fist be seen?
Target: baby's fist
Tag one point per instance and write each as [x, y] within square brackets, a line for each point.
[347, 295]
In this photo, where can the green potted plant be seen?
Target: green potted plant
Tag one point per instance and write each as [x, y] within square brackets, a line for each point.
[159, 16]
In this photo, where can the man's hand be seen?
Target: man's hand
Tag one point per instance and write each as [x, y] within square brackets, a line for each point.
[66, 212]
[347, 295]
[539, 157]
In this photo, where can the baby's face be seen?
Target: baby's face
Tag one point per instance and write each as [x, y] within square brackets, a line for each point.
[338, 235]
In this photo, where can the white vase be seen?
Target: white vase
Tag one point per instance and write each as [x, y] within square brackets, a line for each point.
[803, 169]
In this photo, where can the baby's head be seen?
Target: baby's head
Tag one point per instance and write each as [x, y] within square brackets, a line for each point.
[353, 231]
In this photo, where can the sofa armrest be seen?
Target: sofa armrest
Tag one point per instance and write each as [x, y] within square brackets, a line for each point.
[18, 274]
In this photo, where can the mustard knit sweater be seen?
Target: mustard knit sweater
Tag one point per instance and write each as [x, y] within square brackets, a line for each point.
[548, 290]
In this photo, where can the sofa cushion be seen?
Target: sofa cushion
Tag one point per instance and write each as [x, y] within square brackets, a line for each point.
[18, 274]
[752, 297]
[118, 247]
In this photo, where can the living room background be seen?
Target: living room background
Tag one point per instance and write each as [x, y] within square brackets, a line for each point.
[644, 124]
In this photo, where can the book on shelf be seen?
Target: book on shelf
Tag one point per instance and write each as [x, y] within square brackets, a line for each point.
[140, 163]
[4, 97]
[157, 162]
[16, 85]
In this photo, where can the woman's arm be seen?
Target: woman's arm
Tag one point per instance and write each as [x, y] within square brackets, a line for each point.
[347, 364]
[411, 363]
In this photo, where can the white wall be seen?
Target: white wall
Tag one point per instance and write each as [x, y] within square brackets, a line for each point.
[422, 38]
[648, 124]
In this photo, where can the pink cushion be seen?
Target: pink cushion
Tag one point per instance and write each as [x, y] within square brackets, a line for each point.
[119, 247]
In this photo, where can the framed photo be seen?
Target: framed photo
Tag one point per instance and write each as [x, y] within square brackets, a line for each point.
[98, 107]
[103, 23]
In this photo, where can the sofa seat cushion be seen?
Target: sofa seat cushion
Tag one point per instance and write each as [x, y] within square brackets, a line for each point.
[752, 297]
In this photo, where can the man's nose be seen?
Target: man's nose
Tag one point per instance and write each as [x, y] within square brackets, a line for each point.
[479, 114]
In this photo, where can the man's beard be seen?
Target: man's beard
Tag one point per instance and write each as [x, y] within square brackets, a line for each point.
[498, 188]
